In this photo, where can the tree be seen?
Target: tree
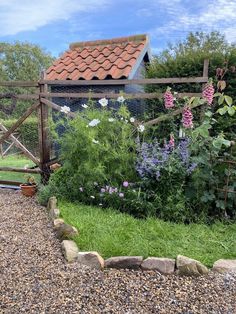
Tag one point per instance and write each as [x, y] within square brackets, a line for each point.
[186, 58]
[20, 61]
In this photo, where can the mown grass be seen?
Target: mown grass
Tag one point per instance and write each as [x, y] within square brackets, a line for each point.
[16, 161]
[112, 234]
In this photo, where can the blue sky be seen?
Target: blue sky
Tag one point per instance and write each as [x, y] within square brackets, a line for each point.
[54, 24]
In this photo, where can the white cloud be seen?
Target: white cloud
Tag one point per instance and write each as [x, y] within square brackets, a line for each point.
[185, 16]
[17, 16]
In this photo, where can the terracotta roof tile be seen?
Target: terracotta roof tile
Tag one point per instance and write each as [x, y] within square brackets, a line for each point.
[99, 59]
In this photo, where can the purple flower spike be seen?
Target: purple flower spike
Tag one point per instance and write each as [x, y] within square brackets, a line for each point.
[103, 190]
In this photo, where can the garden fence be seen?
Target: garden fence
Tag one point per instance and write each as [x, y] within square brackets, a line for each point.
[44, 102]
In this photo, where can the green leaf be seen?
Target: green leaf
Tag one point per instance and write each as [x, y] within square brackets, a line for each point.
[217, 144]
[228, 100]
[208, 114]
[223, 110]
[221, 99]
[204, 132]
[231, 111]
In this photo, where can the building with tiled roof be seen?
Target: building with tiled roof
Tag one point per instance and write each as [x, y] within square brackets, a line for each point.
[118, 58]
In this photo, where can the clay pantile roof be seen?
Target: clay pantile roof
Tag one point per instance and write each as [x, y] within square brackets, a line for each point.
[101, 59]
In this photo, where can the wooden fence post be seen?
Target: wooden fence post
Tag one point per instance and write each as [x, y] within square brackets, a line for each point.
[44, 143]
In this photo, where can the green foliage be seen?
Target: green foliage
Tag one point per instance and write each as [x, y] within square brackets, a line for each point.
[186, 59]
[103, 153]
[112, 234]
[177, 180]
[21, 61]
[210, 175]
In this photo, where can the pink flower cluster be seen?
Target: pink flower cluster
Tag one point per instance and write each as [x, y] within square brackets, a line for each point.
[208, 93]
[187, 118]
[168, 99]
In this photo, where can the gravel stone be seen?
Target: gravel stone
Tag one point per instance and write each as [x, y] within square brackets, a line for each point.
[35, 278]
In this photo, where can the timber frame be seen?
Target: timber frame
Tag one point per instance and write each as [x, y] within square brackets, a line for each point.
[43, 102]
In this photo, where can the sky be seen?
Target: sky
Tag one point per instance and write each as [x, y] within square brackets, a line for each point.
[54, 24]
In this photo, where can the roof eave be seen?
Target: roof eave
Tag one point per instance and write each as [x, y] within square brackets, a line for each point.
[146, 50]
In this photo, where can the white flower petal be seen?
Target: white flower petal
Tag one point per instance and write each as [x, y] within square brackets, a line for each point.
[141, 128]
[111, 119]
[103, 102]
[121, 99]
[132, 119]
[65, 109]
[85, 106]
[94, 122]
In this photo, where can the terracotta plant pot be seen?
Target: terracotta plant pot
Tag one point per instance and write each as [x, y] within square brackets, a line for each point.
[28, 190]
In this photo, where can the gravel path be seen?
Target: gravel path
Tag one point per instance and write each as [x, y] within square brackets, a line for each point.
[35, 279]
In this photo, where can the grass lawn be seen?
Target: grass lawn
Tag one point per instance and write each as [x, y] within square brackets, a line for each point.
[16, 161]
[112, 234]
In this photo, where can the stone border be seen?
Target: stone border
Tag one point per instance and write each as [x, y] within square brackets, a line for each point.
[182, 265]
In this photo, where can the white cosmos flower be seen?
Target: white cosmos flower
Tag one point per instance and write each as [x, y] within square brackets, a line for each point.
[94, 122]
[103, 102]
[65, 109]
[95, 141]
[132, 120]
[111, 119]
[141, 128]
[121, 99]
[85, 106]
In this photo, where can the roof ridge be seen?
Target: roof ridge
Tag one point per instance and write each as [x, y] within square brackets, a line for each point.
[101, 42]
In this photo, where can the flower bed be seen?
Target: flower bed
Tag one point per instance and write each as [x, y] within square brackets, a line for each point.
[112, 159]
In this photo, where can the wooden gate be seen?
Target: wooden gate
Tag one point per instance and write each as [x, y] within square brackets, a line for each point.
[41, 110]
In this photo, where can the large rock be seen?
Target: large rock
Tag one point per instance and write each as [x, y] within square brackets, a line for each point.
[130, 262]
[65, 231]
[190, 267]
[54, 213]
[70, 250]
[225, 265]
[163, 265]
[57, 222]
[52, 203]
[90, 259]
